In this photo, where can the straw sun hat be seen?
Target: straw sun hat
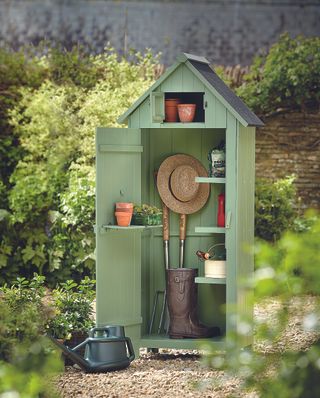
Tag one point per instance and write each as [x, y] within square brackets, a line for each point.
[177, 187]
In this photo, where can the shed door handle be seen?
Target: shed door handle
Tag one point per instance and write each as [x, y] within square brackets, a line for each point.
[228, 220]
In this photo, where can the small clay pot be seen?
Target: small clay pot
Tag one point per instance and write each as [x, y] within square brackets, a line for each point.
[171, 110]
[124, 210]
[123, 219]
[124, 205]
[186, 112]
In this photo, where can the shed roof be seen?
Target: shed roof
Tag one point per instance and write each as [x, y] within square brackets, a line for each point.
[200, 66]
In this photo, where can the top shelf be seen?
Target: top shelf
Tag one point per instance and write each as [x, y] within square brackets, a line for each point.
[211, 180]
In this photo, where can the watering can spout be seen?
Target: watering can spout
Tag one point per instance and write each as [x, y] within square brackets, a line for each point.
[111, 351]
[76, 358]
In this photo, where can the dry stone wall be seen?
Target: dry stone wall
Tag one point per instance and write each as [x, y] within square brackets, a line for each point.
[290, 144]
[226, 32]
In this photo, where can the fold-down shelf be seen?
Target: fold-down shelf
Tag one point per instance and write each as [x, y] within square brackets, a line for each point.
[105, 228]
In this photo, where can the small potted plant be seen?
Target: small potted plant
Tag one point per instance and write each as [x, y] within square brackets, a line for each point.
[146, 215]
[73, 312]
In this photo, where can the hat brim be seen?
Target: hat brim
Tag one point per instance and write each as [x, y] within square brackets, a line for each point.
[163, 184]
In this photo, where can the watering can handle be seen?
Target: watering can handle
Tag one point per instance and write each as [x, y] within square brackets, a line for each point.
[99, 329]
[130, 348]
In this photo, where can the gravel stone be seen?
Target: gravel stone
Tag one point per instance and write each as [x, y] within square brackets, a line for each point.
[177, 373]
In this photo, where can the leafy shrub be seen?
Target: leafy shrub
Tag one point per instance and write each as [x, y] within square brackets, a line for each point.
[281, 374]
[23, 315]
[16, 71]
[26, 359]
[50, 192]
[274, 208]
[288, 76]
[73, 306]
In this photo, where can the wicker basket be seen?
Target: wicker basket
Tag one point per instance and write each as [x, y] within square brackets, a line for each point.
[215, 268]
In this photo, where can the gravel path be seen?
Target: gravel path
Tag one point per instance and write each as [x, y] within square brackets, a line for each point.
[173, 373]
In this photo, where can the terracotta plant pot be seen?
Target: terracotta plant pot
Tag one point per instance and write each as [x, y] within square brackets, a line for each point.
[124, 210]
[171, 110]
[124, 205]
[123, 218]
[186, 112]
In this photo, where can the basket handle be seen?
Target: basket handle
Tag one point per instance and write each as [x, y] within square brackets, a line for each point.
[217, 244]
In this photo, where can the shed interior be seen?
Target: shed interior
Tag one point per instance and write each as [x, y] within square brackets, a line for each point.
[202, 230]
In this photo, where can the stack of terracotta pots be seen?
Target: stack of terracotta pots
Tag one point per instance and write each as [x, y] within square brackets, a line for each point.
[123, 213]
[173, 109]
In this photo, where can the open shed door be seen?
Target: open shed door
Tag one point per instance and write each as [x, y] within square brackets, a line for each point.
[118, 251]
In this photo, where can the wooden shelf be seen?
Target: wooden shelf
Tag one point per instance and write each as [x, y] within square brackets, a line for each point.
[211, 180]
[164, 341]
[105, 228]
[211, 281]
[183, 125]
[212, 230]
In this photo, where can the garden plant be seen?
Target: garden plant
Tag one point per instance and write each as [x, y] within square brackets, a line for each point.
[50, 106]
[286, 271]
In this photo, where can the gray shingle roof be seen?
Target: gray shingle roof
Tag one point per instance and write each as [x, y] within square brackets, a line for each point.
[235, 102]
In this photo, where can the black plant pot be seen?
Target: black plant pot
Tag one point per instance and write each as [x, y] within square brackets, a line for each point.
[77, 337]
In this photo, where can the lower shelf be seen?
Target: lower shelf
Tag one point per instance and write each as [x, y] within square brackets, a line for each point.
[163, 341]
[212, 281]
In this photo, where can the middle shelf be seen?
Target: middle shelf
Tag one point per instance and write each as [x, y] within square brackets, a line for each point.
[211, 180]
[210, 281]
[210, 230]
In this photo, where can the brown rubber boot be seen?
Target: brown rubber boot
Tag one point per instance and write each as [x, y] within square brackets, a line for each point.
[182, 305]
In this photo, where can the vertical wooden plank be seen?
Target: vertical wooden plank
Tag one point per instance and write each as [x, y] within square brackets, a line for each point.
[198, 86]
[231, 207]
[221, 115]
[245, 224]
[160, 148]
[210, 109]
[174, 82]
[146, 246]
[118, 265]
[187, 79]
[134, 119]
[145, 114]
[188, 141]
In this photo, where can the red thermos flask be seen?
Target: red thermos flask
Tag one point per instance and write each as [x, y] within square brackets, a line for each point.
[221, 212]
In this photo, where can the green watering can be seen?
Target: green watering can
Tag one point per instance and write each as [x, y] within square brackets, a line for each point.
[106, 349]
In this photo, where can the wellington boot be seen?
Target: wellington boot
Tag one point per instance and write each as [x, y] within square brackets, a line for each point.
[182, 306]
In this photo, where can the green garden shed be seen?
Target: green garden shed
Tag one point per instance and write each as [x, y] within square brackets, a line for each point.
[130, 259]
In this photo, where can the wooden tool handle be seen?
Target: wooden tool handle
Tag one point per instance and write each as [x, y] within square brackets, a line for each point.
[165, 221]
[183, 226]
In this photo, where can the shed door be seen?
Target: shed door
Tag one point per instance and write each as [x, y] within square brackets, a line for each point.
[118, 252]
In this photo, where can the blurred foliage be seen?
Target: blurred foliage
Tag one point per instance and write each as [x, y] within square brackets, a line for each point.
[288, 269]
[51, 106]
[288, 76]
[23, 315]
[26, 356]
[275, 207]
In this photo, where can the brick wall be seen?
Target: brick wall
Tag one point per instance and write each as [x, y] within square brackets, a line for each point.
[290, 144]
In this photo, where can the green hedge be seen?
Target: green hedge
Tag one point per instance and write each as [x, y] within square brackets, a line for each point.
[51, 107]
[288, 76]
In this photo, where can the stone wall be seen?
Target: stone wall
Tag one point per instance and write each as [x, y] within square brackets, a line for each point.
[290, 144]
[227, 32]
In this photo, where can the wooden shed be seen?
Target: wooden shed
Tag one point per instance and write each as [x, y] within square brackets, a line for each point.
[130, 259]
